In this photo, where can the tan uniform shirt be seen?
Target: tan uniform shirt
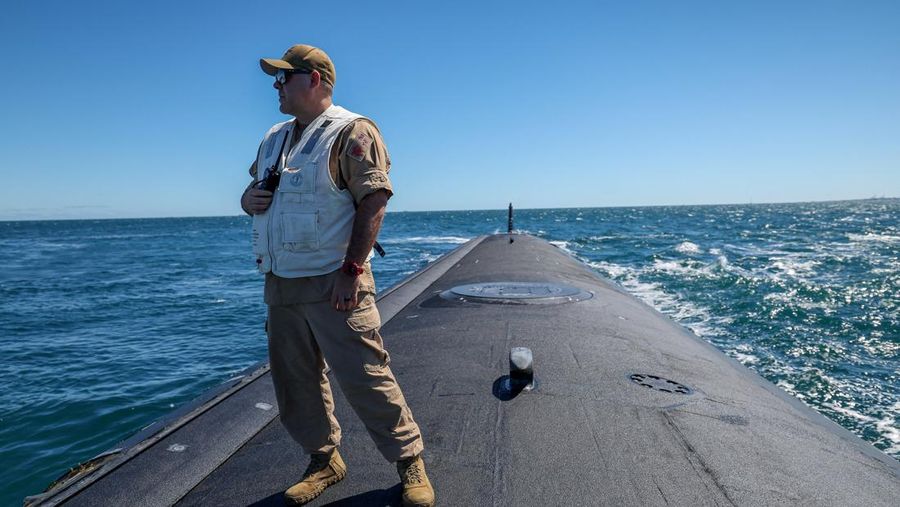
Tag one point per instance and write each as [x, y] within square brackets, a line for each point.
[360, 163]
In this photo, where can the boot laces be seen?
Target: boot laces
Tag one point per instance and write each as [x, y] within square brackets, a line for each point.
[413, 473]
[316, 462]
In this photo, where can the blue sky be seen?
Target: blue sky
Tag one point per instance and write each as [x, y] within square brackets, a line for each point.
[127, 109]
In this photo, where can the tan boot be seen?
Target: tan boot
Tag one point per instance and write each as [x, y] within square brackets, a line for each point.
[417, 490]
[323, 471]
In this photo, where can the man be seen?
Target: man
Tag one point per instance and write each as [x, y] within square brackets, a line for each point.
[314, 227]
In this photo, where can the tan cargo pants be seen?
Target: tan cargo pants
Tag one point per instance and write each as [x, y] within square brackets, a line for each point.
[302, 337]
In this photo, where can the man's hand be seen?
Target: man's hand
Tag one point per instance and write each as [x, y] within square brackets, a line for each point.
[256, 201]
[366, 224]
[344, 294]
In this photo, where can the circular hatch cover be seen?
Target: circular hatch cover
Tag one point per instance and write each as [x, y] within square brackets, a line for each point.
[519, 292]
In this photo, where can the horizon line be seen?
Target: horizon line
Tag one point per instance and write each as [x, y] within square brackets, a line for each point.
[71, 219]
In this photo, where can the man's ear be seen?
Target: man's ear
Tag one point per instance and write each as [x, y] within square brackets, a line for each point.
[315, 79]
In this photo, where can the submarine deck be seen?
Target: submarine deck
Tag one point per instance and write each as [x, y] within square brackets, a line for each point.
[588, 434]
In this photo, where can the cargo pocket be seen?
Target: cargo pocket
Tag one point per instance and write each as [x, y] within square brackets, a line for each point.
[380, 357]
[300, 231]
[365, 316]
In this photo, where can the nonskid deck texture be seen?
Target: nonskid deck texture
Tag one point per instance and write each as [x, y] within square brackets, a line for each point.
[591, 433]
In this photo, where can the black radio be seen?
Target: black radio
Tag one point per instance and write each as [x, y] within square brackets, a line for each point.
[270, 181]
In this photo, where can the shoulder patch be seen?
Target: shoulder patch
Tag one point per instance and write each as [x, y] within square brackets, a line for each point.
[359, 146]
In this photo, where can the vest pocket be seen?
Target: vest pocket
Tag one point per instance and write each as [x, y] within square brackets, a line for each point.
[300, 231]
[300, 180]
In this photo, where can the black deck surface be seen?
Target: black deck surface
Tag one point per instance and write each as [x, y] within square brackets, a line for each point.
[586, 436]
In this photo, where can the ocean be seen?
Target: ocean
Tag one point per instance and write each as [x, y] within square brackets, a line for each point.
[107, 325]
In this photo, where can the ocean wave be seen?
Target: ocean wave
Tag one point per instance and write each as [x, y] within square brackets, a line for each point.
[428, 257]
[794, 267]
[830, 394]
[791, 389]
[686, 247]
[877, 347]
[887, 428]
[132, 236]
[564, 246]
[692, 269]
[53, 246]
[871, 236]
[792, 299]
[767, 249]
[744, 354]
[849, 412]
[454, 240]
[690, 315]
[722, 261]
[610, 270]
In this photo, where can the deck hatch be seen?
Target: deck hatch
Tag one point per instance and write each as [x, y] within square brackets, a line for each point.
[659, 384]
[517, 293]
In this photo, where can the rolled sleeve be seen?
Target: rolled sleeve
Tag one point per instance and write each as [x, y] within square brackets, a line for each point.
[364, 161]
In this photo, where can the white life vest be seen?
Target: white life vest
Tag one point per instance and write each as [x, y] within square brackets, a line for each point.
[306, 230]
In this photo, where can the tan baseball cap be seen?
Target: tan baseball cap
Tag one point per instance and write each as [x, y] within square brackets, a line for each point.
[302, 57]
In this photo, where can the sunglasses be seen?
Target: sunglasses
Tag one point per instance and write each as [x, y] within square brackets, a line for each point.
[281, 75]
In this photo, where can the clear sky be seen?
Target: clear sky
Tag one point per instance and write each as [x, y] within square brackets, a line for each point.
[133, 109]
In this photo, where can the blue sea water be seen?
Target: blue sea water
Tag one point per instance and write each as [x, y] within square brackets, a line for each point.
[107, 325]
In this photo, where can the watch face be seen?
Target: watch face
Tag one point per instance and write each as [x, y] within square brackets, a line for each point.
[352, 269]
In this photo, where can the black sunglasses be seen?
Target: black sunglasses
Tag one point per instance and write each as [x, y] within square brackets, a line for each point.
[281, 75]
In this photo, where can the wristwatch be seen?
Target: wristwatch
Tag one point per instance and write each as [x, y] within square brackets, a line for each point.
[351, 268]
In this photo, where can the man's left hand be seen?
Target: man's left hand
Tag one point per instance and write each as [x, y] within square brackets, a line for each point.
[344, 295]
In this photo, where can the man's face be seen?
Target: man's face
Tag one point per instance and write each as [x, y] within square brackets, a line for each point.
[295, 94]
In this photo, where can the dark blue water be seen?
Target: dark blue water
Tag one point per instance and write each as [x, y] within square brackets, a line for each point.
[108, 325]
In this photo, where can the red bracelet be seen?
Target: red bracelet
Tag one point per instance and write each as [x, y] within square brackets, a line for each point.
[351, 268]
